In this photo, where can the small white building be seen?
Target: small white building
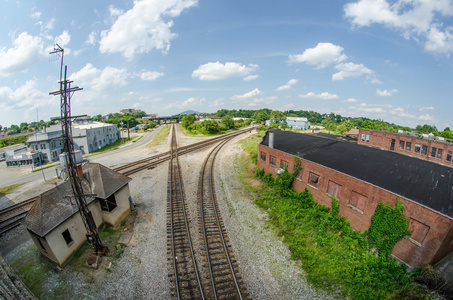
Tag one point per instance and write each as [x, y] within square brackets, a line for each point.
[54, 222]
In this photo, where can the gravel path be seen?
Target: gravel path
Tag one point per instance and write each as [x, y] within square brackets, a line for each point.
[142, 271]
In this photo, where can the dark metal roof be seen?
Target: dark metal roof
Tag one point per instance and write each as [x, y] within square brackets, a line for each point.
[422, 181]
[53, 207]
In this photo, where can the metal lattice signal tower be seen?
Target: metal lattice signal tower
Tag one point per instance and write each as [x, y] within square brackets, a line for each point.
[73, 169]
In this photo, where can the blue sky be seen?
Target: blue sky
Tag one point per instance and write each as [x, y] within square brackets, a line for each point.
[381, 59]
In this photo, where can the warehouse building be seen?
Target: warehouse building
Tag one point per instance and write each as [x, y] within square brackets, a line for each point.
[360, 177]
[422, 146]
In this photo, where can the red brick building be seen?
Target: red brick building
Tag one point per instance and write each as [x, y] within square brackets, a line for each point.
[360, 177]
[421, 146]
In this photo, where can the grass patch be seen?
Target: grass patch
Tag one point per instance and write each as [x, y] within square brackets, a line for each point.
[9, 189]
[110, 147]
[46, 167]
[137, 139]
[159, 137]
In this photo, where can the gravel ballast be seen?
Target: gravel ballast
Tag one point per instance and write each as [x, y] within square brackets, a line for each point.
[142, 270]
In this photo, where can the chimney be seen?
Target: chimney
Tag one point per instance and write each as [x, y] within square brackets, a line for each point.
[271, 139]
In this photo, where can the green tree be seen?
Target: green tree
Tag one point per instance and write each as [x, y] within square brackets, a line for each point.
[276, 118]
[447, 133]
[187, 120]
[23, 126]
[369, 125]
[228, 122]
[381, 125]
[98, 118]
[210, 126]
[342, 129]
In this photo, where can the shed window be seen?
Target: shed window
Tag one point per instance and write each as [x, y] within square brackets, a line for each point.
[419, 230]
[109, 204]
[433, 151]
[401, 146]
[424, 149]
[449, 155]
[417, 148]
[357, 201]
[313, 180]
[408, 146]
[67, 237]
[333, 189]
[263, 156]
[272, 160]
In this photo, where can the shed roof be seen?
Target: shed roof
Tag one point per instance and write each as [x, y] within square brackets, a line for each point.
[422, 181]
[53, 207]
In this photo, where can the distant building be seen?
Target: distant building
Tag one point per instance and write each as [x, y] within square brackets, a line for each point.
[360, 177]
[54, 221]
[129, 111]
[422, 146]
[12, 150]
[88, 136]
[295, 123]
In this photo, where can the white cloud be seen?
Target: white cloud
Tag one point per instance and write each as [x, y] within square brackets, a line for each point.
[100, 79]
[249, 95]
[323, 55]
[426, 117]
[350, 100]
[420, 19]
[36, 15]
[354, 70]
[250, 77]
[323, 96]
[217, 70]
[260, 101]
[191, 102]
[288, 85]
[426, 108]
[145, 27]
[399, 112]
[386, 93]
[114, 12]
[26, 51]
[217, 103]
[91, 38]
[150, 76]
[63, 39]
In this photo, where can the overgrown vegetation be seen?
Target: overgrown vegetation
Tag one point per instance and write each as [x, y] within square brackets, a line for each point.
[209, 127]
[112, 146]
[21, 139]
[333, 255]
[159, 137]
[9, 189]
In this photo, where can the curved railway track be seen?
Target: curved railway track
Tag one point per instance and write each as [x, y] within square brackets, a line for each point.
[225, 280]
[12, 216]
[186, 279]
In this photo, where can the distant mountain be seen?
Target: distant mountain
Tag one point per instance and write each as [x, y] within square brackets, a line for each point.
[189, 112]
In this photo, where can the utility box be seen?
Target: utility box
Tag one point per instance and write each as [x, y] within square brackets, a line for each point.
[77, 157]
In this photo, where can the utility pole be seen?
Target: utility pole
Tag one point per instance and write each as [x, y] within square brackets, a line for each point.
[74, 170]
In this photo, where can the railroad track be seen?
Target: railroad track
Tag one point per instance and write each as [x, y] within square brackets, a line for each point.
[185, 277]
[151, 162]
[226, 282]
[12, 216]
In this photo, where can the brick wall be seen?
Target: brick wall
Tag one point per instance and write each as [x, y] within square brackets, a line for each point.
[358, 201]
[383, 140]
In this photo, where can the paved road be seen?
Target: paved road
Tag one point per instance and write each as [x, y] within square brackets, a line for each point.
[9, 176]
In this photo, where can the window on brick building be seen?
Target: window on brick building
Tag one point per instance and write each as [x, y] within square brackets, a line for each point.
[392, 145]
[424, 149]
[449, 155]
[401, 146]
[313, 180]
[299, 175]
[357, 201]
[433, 151]
[419, 230]
[272, 160]
[417, 148]
[263, 156]
[367, 138]
[283, 164]
[439, 153]
[333, 189]
[363, 137]
[67, 237]
[408, 146]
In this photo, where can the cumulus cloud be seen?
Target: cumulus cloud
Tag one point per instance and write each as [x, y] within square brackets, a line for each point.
[419, 19]
[91, 38]
[352, 70]
[26, 51]
[386, 93]
[36, 15]
[350, 100]
[250, 77]
[249, 95]
[217, 70]
[150, 76]
[288, 85]
[399, 112]
[426, 117]
[145, 27]
[321, 56]
[191, 102]
[426, 108]
[323, 96]
[217, 102]
[100, 79]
